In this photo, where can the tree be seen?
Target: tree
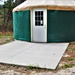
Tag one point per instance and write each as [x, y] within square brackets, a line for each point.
[8, 6]
[17, 2]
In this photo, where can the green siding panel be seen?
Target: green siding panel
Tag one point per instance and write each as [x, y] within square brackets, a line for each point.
[21, 22]
[61, 26]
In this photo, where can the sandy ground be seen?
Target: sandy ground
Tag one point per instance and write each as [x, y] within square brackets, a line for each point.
[68, 71]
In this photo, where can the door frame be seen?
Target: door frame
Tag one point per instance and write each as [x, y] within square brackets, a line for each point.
[31, 21]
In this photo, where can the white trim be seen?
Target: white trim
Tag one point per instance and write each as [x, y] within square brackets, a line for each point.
[45, 19]
[31, 18]
[46, 25]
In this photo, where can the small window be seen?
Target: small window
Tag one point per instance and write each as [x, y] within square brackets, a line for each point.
[38, 18]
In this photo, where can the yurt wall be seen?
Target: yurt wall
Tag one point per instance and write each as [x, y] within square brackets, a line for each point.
[61, 26]
[21, 21]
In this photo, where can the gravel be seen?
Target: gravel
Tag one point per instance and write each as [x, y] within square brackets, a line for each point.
[68, 71]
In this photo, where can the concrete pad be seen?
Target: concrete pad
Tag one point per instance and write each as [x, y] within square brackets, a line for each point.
[11, 49]
[44, 55]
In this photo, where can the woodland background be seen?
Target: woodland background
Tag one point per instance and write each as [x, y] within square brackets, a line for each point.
[6, 16]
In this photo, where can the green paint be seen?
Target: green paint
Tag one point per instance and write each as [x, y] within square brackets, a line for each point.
[21, 21]
[61, 26]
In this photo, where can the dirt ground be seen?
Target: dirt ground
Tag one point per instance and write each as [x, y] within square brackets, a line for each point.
[65, 67]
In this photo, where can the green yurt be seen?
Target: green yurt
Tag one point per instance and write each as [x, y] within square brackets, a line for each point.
[45, 21]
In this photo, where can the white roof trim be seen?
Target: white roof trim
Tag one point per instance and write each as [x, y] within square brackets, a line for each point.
[35, 3]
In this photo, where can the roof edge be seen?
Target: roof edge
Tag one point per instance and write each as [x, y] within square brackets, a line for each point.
[49, 7]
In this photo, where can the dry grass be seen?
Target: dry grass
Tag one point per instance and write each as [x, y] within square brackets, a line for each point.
[68, 61]
[6, 37]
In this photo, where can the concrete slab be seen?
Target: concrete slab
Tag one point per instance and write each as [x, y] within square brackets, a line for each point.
[11, 49]
[44, 55]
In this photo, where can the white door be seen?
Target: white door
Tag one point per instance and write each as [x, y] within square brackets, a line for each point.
[39, 25]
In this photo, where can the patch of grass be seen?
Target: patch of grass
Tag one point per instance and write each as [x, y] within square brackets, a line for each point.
[30, 67]
[69, 48]
[73, 49]
[5, 35]
[70, 59]
[5, 38]
[33, 67]
[68, 65]
[6, 41]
